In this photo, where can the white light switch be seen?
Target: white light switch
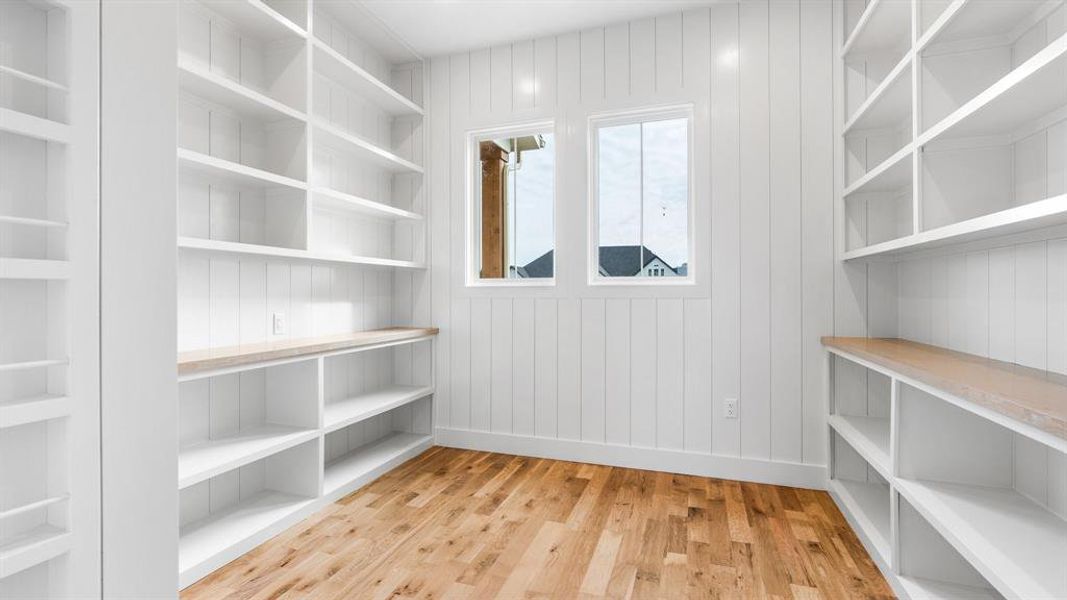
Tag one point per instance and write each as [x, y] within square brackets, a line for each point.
[279, 323]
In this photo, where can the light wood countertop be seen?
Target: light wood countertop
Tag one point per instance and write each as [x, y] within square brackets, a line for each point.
[1037, 398]
[210, 359]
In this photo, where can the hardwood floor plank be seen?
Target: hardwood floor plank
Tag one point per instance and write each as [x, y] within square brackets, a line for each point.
[471, 525]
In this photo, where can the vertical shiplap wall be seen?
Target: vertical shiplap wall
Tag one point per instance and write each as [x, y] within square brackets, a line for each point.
[649, 368]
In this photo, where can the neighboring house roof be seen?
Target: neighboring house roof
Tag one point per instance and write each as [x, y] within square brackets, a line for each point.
[615, 261]
[540, 266]
[625, 261]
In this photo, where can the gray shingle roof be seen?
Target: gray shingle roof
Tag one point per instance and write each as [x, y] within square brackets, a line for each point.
[616, 261]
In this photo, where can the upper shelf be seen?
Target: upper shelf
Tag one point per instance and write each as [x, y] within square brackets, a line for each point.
[1028, 217]
[234, 173]
[333, 65]
[894, 173]
[254, 16]
[335, 137]
[348, 202]
[884, 26]
[888, 105]
[31, 78]
[1030, 91]
[200, 81]
[35, 127]
[1035, 398]
[212, 359]
[980, 20]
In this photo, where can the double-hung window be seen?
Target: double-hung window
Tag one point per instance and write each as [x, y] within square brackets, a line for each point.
[641, 211]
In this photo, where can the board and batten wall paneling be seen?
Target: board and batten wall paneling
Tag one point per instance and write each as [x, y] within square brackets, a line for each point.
[634, 375]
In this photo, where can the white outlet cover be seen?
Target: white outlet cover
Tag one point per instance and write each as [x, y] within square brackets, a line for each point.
[278, 320]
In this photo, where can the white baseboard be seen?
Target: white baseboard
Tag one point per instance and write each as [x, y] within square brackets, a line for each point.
[654, 459]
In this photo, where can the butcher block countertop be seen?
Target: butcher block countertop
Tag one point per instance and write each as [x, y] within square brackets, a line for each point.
[1037, 398]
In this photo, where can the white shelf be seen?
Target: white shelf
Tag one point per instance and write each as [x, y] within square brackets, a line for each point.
[33, 410]
[892, 174]
[200, 81]
[340, 200]
[869, 436]
[367, 462]
[32, 506]
[30, 126]
[32, 364]
[234, 173]
[255, 17]
[888, 105]
[191, 243]
[884, 25]
[363, 149]
[1036, 215]
[28, 222]
[32, 548]
[868, 503]
[980, 20]
[336, 67]
[1030, 91]
[358, 408]
[29, 268]
[208, 459]
[1004, 535]
[216, 540]
[926, 589]
[31, 78]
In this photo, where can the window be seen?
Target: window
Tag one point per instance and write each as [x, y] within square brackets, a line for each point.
[511, 205]
[641, 211]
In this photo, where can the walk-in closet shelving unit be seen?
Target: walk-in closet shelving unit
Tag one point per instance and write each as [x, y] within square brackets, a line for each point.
[952, 467]
[301, 246]
[49, 384]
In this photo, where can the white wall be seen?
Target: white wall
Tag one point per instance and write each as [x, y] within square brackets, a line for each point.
[638, 375]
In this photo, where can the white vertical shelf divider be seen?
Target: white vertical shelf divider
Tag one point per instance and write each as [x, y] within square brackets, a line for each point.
[307, 437]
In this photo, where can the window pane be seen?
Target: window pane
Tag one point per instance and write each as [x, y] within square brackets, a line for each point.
[619, 200]
[666, 196]
[513, 207]
[532, 211]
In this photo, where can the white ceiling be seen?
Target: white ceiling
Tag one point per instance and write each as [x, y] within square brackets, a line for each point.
[435, 27]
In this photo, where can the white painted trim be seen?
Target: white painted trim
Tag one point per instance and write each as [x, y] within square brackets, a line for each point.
[471, 278]
[655, 459]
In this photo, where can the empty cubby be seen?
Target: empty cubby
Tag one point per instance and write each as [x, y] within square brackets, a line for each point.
[232, 508]
[270, 61]
[861, 409]
[33, 215]
[981, 45]
[360, 385]
[866, 493]
[228, 420]
[929, 567]
[210, 209]
[33, 59]
[367, 448]
[989, 488]
[878, 216]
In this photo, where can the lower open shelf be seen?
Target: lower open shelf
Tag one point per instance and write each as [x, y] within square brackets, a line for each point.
[205, 460]
[32, 548]
[927, 589]
[1005, 535]
[869, 504]
[367, 462]
[351, 410]
[212, 542]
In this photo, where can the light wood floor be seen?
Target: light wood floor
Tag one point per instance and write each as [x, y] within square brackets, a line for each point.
[472, 525]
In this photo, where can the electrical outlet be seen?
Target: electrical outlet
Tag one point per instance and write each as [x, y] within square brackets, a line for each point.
[730, 408]
[279, 323]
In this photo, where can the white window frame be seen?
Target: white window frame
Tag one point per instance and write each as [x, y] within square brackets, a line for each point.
[631, 117]
[472, 186]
